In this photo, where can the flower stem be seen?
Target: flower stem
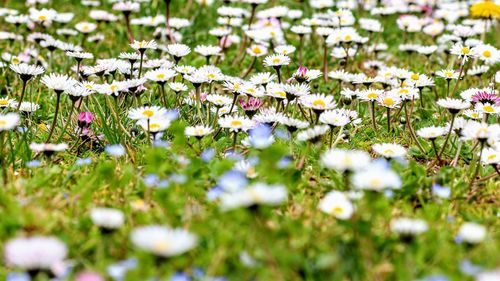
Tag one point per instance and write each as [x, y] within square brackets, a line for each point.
[54, 121]
[447, 135]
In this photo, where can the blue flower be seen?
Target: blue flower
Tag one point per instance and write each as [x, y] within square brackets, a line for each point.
[178, 178]
[441, 191]
[180, 276]
[261, 136]
[282, 134]
[118, 270]
[18, 276]
[214, 193]
[83, 161]
[207, 154]
[284, 162]
[115, 150]
[33, 164]
[232, 180]
[151, 180]
[468, 268]
[161, 143]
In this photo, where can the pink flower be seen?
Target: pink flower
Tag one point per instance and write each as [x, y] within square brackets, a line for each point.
[485, 97]
[89, 276]
[251, 104]
[85, 119]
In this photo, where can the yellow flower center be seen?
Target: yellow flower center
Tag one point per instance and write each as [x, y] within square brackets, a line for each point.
[337, 210]
[319, 103]
[281, 94]
[211, 76]
[492, 156]
[256, 50]
[160, 76]
[148, 113]
[465, 50]
[415, 76]
[4, 102]
[487, 54]
[348, 38]
[488, 108]
[161, 246]
[372, 95]
[388, 101]
[236, 123]
[403, 91]
[199, 131]
[15, 60]
[3, 123]
[154, 126]
[375, 182]
[42, 17]
[276, 60]
[114, 88]
[388, 151]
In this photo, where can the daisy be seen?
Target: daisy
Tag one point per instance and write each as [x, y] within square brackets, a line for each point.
[389, 150]
[262, 78]
[107, 218]
[276, 61]
[27, 107]
[219, 100]
[431, 132]
[177, 87]
[463, 52]
[161, 75]
[313, 134]
[284, 49]
[198, 131]
[345, 160]
[337, 204]
[480, 131]
[8, 121]
[6, 102]
[471, 233]
[408, 228]
[490, 156]
[487, 108]
[58, 82]
[163, 241]
[257, 51]
[86, 27]
[146, 112]
[48, 148]
[177, 51]
[334, 118]
[293, 124]
[236, 123]
[454, 106]
[27, 71]
[447, 74]
[208, 51]
[35, 253]
[253, 195]
[377, 178]
[143, 45]
[154, 125]
[318, 102]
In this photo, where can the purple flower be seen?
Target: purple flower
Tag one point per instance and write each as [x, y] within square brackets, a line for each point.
[485, 97]
[85, 119]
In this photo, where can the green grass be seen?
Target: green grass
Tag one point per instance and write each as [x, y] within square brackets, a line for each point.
[293, 241]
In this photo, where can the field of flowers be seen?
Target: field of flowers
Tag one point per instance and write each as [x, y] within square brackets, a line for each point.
[249, 140]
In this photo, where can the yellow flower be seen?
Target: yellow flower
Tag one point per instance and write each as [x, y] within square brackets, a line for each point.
[485, 9]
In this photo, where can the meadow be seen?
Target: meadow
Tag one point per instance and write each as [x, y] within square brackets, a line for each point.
[249, 140]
